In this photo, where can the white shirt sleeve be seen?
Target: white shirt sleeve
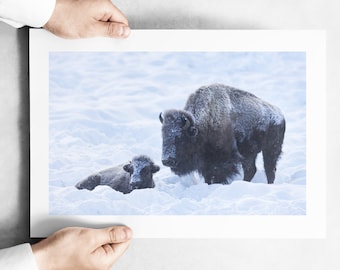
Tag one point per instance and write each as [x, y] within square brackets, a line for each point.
[33, 13]
[18, 258]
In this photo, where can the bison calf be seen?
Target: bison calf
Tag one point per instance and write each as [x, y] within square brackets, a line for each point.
[220, 128]
[137, 174]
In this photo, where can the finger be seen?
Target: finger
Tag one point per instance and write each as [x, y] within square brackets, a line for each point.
[108, 254]
[112, 14]
[112, 29]
[116, 250]
[111, 235]
[119, 234]
[119, 249]
[117, 30]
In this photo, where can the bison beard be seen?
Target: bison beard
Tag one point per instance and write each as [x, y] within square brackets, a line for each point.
[220, 129]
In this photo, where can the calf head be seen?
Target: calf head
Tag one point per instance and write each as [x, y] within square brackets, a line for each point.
[141, 170]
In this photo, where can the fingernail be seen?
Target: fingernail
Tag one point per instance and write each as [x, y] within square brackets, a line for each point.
[125, 31]
[120, 234]
[126, 234]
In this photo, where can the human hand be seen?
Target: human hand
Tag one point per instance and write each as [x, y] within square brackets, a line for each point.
[87, 18]
[82, 248]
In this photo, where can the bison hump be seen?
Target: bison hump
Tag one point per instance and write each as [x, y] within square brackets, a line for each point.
[210, 106]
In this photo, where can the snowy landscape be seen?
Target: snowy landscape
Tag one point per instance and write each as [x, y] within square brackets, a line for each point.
[103, 111]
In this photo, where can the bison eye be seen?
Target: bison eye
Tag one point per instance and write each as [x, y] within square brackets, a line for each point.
[193, 131]
[185, 122]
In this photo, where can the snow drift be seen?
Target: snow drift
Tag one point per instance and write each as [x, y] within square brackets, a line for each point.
[103, 110]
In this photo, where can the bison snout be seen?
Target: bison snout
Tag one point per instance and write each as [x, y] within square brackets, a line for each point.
[134, 186]
[169, 162]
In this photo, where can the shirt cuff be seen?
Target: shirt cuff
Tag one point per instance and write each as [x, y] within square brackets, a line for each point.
[34, 13]
[18, 257]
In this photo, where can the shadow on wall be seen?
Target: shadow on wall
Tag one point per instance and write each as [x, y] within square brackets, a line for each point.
[23, 127]
[14, 223]
[187, 21]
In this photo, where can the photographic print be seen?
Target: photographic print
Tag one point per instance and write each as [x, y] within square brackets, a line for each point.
[104, 110]
[184, 133]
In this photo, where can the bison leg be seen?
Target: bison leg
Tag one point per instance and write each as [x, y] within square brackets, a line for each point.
[272, 150]
[249, 167]
[220, 172]
[210, 177]
[90, 183]
[270, 158]
[270, 172]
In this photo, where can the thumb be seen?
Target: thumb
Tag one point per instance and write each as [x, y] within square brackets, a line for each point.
[112, 29]
[112, 235]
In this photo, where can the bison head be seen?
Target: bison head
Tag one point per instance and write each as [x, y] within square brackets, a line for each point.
[179, 134]
[141, 170]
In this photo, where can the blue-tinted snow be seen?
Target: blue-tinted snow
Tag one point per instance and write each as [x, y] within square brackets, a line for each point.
[104, 110]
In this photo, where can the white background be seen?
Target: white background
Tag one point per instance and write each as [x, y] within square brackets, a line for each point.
[181, 254]
[266, 220]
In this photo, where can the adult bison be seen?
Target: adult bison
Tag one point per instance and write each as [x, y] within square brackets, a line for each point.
[220, 128]
[137, 174]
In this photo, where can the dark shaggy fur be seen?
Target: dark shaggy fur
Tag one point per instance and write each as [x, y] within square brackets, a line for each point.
[220, 128]
[136, 174]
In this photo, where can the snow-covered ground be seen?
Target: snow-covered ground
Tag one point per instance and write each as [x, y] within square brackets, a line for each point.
[104, 110]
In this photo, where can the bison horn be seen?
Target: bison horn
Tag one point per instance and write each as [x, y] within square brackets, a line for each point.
[186, 122]
[161, 117]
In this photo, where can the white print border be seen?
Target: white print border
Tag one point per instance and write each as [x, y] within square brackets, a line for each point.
[311, 225]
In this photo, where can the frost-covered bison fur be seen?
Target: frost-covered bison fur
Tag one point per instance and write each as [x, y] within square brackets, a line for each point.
[220, 128]
[137, 174]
